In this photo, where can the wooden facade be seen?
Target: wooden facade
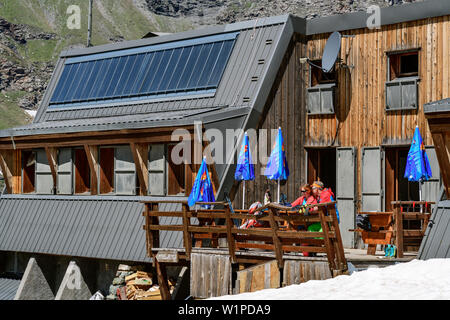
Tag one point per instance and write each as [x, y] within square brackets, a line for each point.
[360, 118]
[284, 108]
[91, 174]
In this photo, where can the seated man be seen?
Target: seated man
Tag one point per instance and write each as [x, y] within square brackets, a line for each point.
[323, 195]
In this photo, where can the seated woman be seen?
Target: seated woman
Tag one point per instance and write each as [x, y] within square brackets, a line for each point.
[306, 198]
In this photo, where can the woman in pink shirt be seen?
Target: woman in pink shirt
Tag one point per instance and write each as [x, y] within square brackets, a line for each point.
[306, 197]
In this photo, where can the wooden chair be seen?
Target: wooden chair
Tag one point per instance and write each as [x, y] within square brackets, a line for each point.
[381, 231]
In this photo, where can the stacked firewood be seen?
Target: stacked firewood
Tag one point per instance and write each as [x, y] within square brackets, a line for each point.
[139, 286]
[133, 284]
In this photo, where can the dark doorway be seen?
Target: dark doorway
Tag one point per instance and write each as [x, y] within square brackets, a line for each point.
[322, 167]
[397, 187]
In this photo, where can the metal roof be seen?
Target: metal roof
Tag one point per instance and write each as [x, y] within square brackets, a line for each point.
[437, 106]
[250, 60]
[436, 241]
[101, 227]
[134, 121]
[388, 15]
[8, 288]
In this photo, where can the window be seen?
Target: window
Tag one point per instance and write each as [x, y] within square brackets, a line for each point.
[320, 94]
[403, 65]
[82, 172]
[175, 176]
[157, 170]
[181, 67]
[402, 84]
[44, 178]
[28, 171]
[65, 171]
[165, 177]
[124, 171]
[320, 77]
[106, 170]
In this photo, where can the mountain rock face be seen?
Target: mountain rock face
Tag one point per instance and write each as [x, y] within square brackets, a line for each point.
[228, 11]
[29, 47]
[16, 74]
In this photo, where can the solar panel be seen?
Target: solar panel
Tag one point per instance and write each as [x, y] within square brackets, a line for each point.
[183, 67]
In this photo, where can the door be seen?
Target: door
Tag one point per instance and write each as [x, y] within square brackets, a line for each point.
[431, 189]
[345, 193]
[371, 179]
[321, 166]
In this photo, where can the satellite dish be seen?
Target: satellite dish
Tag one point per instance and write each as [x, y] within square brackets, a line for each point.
[331, 51]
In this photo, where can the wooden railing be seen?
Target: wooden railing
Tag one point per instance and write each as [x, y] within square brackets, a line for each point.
[282, 235]
[387, 227]
[401, 234]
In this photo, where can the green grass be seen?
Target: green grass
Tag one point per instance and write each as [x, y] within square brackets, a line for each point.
[39, 50]
[111, 19]
[11, 114]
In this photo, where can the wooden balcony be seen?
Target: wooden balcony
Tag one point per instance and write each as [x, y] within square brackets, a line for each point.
[279, 237]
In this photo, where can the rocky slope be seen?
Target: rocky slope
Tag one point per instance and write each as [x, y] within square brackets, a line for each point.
[33, 33]
[227, 11]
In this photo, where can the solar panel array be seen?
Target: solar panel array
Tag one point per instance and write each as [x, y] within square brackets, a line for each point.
[184, 67]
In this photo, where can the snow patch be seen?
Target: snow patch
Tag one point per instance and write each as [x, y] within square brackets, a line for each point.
[414, 280]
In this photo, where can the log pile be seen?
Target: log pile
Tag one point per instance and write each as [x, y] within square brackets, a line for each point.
[139, 286]
[133, 284]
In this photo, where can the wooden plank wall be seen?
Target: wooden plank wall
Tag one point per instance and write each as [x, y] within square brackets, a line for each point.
[298, 271]
[285, 107]
[361, 119]
[267, 275]
[210, 275]
[259, 277]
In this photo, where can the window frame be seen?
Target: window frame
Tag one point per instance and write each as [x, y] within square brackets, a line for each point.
[403, 81]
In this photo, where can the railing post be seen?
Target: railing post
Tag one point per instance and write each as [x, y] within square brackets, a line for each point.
[331, 255]
[398, 226]
[153, 235]
[230, 237]
[162, 279]
[337, 241]
[276, 239]
[147, 231]
[186, 235]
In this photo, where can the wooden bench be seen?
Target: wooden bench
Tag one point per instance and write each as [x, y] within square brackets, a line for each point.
[381, 231]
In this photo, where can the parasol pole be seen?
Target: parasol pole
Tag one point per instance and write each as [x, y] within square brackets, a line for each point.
[243, 197]
[278, 190]
[420, 195]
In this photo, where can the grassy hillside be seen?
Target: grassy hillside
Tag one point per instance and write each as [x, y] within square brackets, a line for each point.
[113, 21]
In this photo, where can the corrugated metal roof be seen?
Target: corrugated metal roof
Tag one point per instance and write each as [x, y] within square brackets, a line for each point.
[8, 288]
[135, 121]
[436, 241]
[99, 227]
[250, 57]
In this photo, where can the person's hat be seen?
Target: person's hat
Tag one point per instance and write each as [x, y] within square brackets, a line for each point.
[318, 184]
